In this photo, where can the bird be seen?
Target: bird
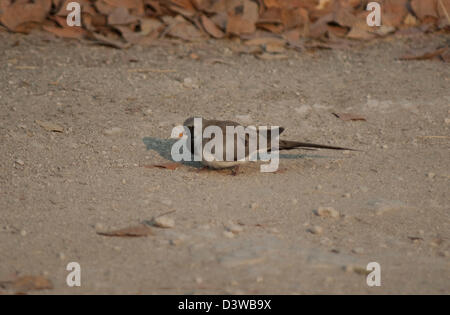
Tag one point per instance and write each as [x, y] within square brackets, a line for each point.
[236, 160]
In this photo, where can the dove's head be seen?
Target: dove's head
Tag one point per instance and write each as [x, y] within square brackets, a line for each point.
[178, 132]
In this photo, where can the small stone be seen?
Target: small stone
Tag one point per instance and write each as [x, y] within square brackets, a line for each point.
[163, 222]
[356, 269]
[294, 201]
[62, 256]
[431, 175]
[304, 109]
[317, 230]
[189, 83]
[23, 233]
[198, 280]
[358, 250]
[319, 187]
[346, 195]
[385, 146]
[19, 162]
[234, 228]
[364, 189]
[259, 279]
[254, 206]
[447, 121]
[99, 227]
[327, 212]
[228, 234]
[112, 131]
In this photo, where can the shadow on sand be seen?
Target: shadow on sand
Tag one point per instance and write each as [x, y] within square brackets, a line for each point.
[164, 146]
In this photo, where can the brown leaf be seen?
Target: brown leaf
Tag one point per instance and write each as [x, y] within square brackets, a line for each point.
[103, 40]
[132, 231]
[424, 8]
[211, 28]
[441, 53]
[349, 116]
[242, 18]
[267, 56]
[121, 16]
[49, 126]
[185, 31]
[27, 283]
[66, 32]
[21, 12]
[169, 166]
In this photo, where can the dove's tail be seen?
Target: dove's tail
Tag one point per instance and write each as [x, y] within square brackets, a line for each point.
[290, 145]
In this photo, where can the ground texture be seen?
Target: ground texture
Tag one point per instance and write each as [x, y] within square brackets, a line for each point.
[254, 233]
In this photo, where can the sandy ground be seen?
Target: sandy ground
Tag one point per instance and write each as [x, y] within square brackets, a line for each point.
[58, 189]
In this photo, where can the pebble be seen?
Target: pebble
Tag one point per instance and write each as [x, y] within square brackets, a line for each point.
[99, 227]
[234, 228]
[189, 83]
[346, 195]
[364, 189]
[327, 212]
[304, 109]
[19, 162]
[62, 256]
[228, 234]
[23, 233]
[447, 121]
[431, 175]
[112, 131]
[316, 230]
[356, 269]
[254, 205]
[198, 280]
[319, 187]
[164, 222]
[358, 250]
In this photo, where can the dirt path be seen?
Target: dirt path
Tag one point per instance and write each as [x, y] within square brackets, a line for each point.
[57, 189]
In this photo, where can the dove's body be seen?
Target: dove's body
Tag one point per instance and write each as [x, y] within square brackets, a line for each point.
[195, 139]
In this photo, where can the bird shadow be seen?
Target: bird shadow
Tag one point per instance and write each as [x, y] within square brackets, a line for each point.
[164, 146]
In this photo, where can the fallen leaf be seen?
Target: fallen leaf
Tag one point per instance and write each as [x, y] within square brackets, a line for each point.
[121, 16]
[349, 117]
[27, 283]
[440, 53]
[49, 126]
[132, 231]
[66, 32]
[103, 40]
[267, 56]
[169, 166]
[21, 12]
[211, 28]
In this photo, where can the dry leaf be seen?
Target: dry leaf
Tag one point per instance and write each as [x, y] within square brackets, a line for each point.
[441, 54]
[49, 126]
[66, 32]
[211, 28]
[169, 166]
[132, 231]
[103, 40]
[267, 56]
[21, 12]
[27, 283]
[349, 116]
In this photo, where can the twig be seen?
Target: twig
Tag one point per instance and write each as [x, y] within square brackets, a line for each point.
[434, 137]
[152, 70]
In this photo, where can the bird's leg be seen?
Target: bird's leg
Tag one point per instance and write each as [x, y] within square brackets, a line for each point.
[202, 169]
[234, 170]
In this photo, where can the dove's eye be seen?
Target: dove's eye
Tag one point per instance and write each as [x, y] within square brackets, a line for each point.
[180, 135]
